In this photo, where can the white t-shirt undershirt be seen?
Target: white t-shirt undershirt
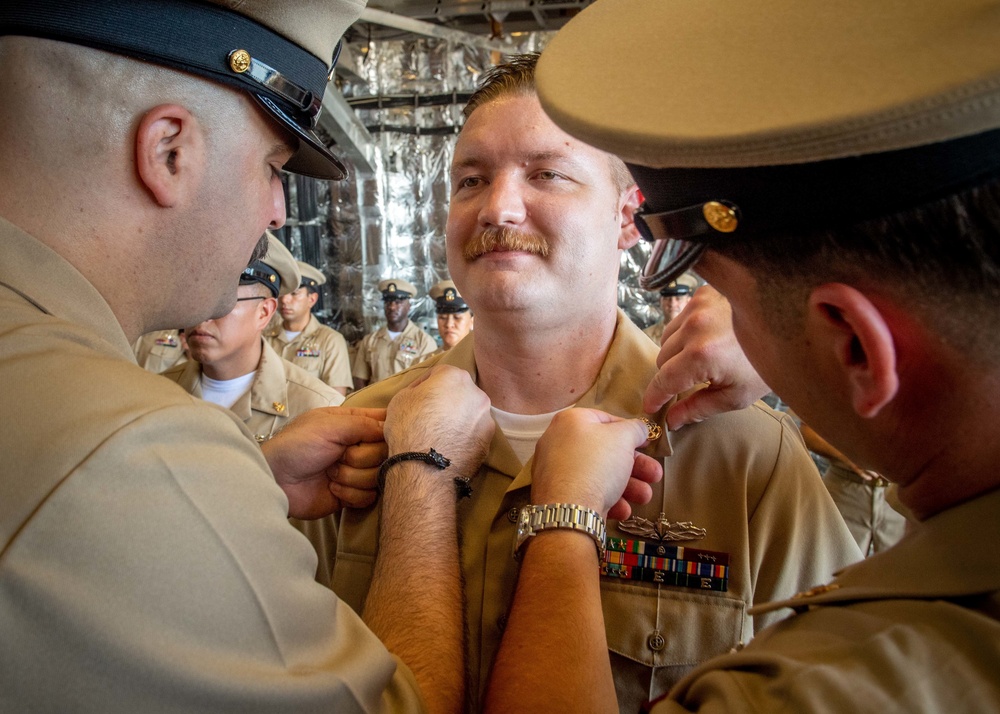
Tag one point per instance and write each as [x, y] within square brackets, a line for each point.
[289, 336]
[393, 335]
[522, 430]
[225, 392]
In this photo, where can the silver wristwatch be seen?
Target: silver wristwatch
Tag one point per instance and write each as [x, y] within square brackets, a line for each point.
[560, 515]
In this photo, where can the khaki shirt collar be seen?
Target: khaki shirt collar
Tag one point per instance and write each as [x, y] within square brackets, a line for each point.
[311, 326]
[190, 377]
[269, 391]
[951, 554]
[628, 368]
[47, 280]
[278, 331]
[382, 333]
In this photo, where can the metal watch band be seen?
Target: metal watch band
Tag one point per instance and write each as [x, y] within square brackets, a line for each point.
[536, 518]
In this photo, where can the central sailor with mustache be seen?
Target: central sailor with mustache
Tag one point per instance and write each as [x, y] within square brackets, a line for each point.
[536, 224]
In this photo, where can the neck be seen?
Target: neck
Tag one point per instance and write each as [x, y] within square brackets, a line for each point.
[299, 323]
[240, 363]
[398, 325]
[526, 366]
[945, 450]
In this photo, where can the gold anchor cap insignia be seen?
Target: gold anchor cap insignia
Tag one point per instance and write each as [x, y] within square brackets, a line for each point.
[720, 216]
[239, 61]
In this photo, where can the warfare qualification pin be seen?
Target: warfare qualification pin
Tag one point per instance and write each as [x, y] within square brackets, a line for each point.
[662, 530]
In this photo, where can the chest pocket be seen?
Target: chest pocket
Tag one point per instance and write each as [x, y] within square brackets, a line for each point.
[658, 633]
[406, 355]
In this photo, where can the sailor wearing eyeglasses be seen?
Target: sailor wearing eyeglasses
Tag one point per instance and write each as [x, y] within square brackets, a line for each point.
[233, 366]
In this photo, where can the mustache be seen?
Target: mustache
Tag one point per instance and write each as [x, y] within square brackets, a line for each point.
[505, 239]
[259, 250]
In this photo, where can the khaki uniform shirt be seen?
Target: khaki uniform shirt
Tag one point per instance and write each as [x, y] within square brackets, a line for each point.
[379, 356]
[280, 392]
[146, 562]
[159, 351]
[746, 477]
[913, 629]
[319, 350]
[655, 331]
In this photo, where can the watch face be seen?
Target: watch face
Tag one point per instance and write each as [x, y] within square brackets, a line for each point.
[524, 523]
[523, 531]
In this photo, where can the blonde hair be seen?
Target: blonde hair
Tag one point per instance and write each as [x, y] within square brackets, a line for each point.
[516, 77]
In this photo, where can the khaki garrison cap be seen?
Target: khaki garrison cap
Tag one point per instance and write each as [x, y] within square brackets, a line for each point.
[312, 277]
[278, 269]
[447, 299]
[279, 51]
[745, 118]
[395, 289]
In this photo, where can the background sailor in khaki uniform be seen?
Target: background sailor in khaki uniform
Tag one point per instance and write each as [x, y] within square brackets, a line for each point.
[160, 350]
[274, 390]
[454, 317]
[827, 171]
[674, 297]
[549, 336]
[398, 344]
[303, 340]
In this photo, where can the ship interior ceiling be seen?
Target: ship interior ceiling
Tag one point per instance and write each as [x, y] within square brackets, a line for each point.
[406, 71]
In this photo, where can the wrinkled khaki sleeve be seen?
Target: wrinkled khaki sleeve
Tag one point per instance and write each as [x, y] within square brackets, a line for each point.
[161, 575]
[892, 655]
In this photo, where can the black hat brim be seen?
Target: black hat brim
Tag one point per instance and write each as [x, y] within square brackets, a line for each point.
[312, 158]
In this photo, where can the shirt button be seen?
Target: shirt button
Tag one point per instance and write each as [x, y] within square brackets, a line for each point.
[656, 641]
[502, 623]
[512, 514]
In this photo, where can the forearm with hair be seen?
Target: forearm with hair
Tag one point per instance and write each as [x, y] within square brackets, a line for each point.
[415, 603]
